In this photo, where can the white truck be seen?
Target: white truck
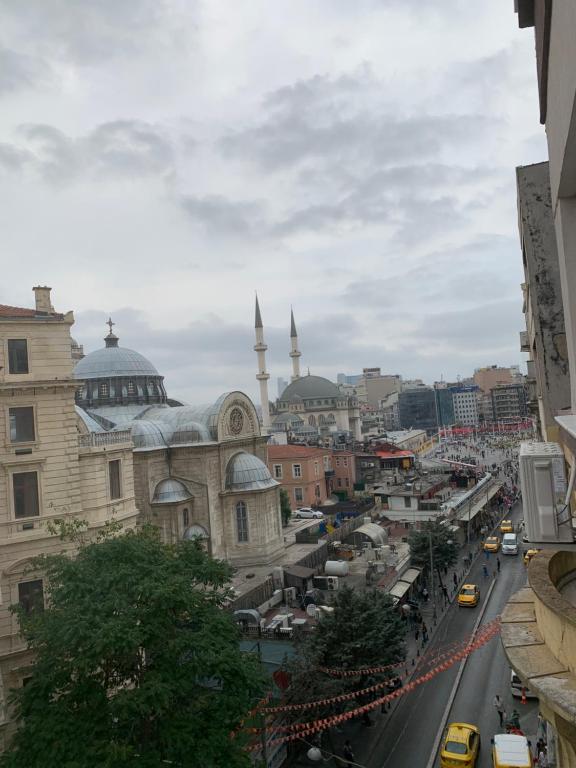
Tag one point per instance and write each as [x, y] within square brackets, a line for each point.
[511, 750]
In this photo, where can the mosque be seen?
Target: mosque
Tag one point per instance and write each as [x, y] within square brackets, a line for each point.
[310, 405]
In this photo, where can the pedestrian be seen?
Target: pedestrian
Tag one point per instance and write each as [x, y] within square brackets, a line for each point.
[499, 708]
[498, 564]
[425, 595]
[543, 759]
[485, 571]
[416, 634]
[444, 593]
[348, 754]
[455, 579]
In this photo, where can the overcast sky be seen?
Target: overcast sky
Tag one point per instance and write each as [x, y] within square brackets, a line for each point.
[160, 160]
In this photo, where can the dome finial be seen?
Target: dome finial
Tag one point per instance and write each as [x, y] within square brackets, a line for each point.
[111, 340]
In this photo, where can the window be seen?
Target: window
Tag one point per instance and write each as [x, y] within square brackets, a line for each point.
[278, 471]
[345, 461]
[22, 425]
[242, 521]
[131, 388]
[317, 491]
[347, 482]
[25, 487]
[407, 501]
[298, 495]
[327, 463]
[296, 470]
[185, 518]
[31, 595]
[17, 356]
[114, 478]
[339, 482]
[316, 469]
[103, 389]
[338, 462]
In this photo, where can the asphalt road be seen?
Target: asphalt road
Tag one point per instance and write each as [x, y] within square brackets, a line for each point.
[407, 738]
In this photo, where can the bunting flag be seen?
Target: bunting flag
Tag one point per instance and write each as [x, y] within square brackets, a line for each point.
[296, 731]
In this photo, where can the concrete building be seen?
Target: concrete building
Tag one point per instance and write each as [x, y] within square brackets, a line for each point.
[509, 402]
[55, 466]
[444, 404]
[415, 500]
[344, 466]
[417, 409]
[305, 473]
[545, 336]
[390, 412]
[465, 403]
[492, 376]
[408, 439]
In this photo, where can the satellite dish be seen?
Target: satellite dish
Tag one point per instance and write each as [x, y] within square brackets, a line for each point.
[311, 610]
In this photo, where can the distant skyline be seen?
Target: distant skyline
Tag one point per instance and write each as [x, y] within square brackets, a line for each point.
[160, 160]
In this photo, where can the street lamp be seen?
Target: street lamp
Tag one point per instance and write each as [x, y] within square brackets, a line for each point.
[434, 615]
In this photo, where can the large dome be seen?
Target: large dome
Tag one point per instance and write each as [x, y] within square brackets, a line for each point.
[113, 361]
[310, 387]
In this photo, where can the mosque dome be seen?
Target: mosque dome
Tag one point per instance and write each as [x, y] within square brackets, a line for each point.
[245, 472]
[170, 491]
[310, 388]
[113, 361]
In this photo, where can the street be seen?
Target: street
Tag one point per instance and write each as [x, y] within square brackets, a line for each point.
[407, 738]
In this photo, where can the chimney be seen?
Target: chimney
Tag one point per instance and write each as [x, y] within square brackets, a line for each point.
[43, 304]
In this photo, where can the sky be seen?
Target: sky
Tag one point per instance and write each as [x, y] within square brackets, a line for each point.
[162, 160]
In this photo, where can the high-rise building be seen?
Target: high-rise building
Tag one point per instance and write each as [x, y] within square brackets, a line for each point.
[417, 409]
[509, 402]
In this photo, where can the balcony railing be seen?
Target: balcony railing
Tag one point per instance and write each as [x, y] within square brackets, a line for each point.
[103, 439]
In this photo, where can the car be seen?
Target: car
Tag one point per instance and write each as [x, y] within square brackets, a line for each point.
[469, 595]
[509, 544]
[517, 687]
[511, 749]
[460, 746]
[308, 513]
[492, 544]
[506, 526]
[529, 554]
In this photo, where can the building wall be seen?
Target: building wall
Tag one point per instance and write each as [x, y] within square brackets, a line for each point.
[344, 467]
[417, 409]
[311, 482]
[488, 378]
[465, 407]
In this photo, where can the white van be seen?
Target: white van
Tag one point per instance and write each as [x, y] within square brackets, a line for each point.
[510, 751]
[509, 544]
[516, 686]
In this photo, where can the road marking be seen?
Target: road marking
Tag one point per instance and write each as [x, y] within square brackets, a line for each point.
[453, 692]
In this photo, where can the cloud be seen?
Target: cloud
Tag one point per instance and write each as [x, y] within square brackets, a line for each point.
[19, 71]
[218, 215]
[118, 149]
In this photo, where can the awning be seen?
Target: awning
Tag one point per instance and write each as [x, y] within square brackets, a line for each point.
[485, 497]
[411, 575]
[376, 534]
[399, 589]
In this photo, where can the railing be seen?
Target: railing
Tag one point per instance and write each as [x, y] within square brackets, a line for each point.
[102, 439]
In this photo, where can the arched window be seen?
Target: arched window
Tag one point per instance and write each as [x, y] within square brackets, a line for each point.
[103, 389]
[330, 418]
[185, 518]
[242, 521]
[312, 420]
[321, 419]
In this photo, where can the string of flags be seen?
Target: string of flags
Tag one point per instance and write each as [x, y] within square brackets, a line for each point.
[296, 731]
[445, 654]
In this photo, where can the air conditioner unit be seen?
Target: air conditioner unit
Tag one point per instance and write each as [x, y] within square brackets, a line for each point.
[543, 483]
[275, 624]
[290, 596]
[333, 583]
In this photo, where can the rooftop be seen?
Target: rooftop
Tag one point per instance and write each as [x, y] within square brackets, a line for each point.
[16, 312]
[295, 452]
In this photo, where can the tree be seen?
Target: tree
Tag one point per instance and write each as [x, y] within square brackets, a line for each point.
[364, 630]
[136, 662]
[285, 509]
[444, 548]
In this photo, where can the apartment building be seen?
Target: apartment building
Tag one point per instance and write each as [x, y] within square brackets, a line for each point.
[306, 473]
[54, 468]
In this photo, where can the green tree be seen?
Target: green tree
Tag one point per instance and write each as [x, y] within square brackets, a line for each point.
[444, 548]
[364, 630]
[136, 662]
[285, 509]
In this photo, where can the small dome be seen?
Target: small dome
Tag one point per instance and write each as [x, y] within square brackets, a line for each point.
[110, 362]
[288, 418]
[310, 387]
[195, 532]
[170, 491]
[245, 472]
[145, 434]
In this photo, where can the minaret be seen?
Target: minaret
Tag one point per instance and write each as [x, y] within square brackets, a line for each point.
[260, 347]
[294, 353]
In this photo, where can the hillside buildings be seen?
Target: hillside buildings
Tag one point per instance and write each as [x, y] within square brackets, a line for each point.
[58, 465]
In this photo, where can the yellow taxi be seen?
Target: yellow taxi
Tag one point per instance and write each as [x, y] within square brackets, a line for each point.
[469, 595]
[460, 746]
[506, 526]
[492, 544]
[529, 554]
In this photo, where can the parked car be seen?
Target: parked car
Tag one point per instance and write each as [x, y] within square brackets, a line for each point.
[469, 596]
[529, 554]
[308, 513]
[492, 544]
[510, 544]
[516, 686]
[460, 746]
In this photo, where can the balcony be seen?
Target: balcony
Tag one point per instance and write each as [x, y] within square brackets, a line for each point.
[524, 341]
[105, 439]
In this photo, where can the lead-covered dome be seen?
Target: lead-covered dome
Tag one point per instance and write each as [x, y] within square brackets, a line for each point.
[113, 361]
[309, 388]
[245, 472]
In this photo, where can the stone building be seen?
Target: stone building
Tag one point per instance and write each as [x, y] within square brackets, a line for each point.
[199, 471]
[54, 466]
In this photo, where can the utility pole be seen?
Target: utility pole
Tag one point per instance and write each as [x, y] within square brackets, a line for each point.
[432, 573]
